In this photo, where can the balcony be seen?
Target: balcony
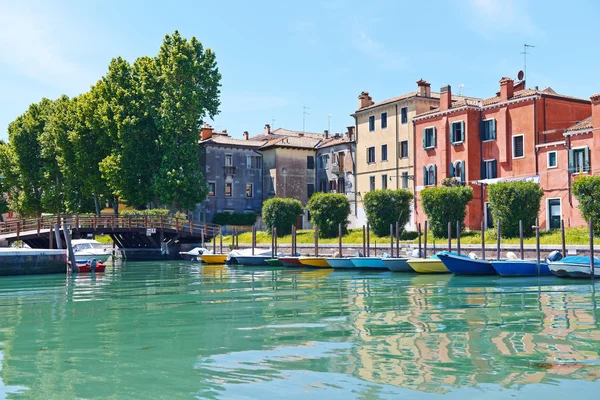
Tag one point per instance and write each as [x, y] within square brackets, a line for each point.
[229, 170]
[337, 169]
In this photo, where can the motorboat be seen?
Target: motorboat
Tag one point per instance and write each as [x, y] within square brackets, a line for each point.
[194, 254]
[397, 264]
[520, 268]
[314, 262]
[340, 262]
[214, 258]
[245, 257]
[290, 261]
[89, 249]
[368, 262]
[430, 265]
[87, 266]
[465, 265]
[274, 262]
[575, 267]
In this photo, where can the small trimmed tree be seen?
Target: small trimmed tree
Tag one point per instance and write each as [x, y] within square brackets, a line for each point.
[384, 207]
[511, 202]
[444, 204]
[281, 213]
[327, 211]
[586, 189]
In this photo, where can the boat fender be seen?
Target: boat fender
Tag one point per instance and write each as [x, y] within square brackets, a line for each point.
[415, 253]
[511, 256]
[473, 256]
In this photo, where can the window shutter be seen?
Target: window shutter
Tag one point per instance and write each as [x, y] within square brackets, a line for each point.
[586, 159]
[424, 139]
[481, 130]
[434, 137]
[483, 170]
[494, 171]
[493, 135]
[462, 171]
[424, 176]
[462, 131]
[571, 161]
[451, 170]
[434, 175]
[452, 135]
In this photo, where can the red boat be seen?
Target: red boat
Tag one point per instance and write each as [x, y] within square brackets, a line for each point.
[86, 267]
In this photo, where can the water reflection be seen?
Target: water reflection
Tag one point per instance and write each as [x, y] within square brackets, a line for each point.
[221, 332]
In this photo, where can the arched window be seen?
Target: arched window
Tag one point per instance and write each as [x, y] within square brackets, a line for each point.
[429, 175]
[457, 170]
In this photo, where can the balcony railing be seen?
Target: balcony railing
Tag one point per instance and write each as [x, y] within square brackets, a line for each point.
[337, 169]
[229, 170]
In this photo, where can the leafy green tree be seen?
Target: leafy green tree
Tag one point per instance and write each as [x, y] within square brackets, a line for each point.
[384, 207]
[282, 213]
[327, 211]
[444, 204]
[10, 178]
[511, 202]
[586, 189]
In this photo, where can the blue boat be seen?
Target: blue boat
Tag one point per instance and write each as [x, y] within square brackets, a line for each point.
[520, 268]
[463, 265]
[368, 262]
[575, 267]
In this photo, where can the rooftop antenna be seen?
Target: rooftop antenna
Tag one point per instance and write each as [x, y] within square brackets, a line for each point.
[329, 123]
[524, 52]
[460, 89]
[304, 114]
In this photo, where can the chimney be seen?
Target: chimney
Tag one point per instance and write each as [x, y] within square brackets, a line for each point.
[267, 129]
[326, 134]
[507, 89]
[224, 132]
[445, 97]
[364, 100]
[595, 111]
[423, 88]
[350, 132]
[245, 135]
[206, 132]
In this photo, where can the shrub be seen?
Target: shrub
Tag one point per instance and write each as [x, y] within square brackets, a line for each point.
[385, 207]
[511, 202]
[281, 213]
[237, 219]
[585, 189]
[154, 212]
[327, 211]
[445, 204]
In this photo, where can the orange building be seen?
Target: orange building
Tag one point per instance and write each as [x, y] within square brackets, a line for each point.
[519, 134]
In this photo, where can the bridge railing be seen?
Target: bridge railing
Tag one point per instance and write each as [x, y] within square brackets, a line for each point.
[111, 222]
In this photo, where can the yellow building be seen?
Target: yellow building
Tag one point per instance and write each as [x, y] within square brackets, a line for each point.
[385, 142]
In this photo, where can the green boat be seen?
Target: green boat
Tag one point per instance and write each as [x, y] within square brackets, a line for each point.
[273, 262]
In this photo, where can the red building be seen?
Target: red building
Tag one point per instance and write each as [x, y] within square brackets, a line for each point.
[517, 134]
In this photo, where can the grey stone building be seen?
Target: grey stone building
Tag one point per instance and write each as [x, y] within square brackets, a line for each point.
[233, 169]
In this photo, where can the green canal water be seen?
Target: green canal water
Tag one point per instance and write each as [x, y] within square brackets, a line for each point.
[179, 330]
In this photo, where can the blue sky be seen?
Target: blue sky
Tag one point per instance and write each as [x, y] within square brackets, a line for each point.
[278, 56]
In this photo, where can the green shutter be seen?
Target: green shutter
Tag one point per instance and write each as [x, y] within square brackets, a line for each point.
[493, 135]
[451, 170]
[424, 139]
[494, 169]
[452, 137]
[434, 175]
[483, 170]
[424, 176]
[462, 130]
[586, 159]
[482, 130]
[571, 161]
[462, 171]
[434, 137]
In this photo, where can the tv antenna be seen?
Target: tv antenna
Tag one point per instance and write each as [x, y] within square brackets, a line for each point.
[304, 114]
[461, 87]
[329, 123]
[524, 52]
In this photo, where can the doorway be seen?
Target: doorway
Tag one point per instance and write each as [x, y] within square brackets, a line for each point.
[554, 213]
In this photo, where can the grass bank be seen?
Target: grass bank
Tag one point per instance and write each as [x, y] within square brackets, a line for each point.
[354, 236]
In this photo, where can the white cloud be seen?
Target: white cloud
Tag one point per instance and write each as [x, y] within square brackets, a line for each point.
[378, 52]
[30, 46]
[500, 16]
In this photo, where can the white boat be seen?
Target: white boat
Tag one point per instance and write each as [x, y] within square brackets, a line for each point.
[194, 254]
[89, 249]
[575, 267]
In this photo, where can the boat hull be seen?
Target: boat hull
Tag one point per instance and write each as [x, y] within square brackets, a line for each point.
[368, 262]
[397, 264]
[249, 260]
[290, 262]
[99, 256]
[467, 266]
[428, 266]
[314, 262]
[274, 262]
[520, 268]
[569, 270]
[214, 258]
[87, 267]
[340, 263]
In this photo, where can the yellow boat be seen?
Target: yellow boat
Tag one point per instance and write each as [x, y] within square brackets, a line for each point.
[315, 262]
[432, 265]
[214, 258]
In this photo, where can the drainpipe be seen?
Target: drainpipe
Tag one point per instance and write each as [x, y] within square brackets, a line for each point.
[569, 172]
[354, 167]
[535, 133]
[396, 145]
[480, 163]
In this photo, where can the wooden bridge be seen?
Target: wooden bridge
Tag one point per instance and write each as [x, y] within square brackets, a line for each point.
[138, 237]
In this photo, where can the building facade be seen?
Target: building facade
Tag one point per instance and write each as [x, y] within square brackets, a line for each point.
[502, 138]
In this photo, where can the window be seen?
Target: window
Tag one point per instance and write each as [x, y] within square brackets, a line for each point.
[552, 159]
[371, 123]
[404, 149]
[323, 161]
[371, 183]
[429, 175]
[310, 162]
[323, 186]
[405, 180]
[457, 132]
[341, 184]
[404, 115]
[579, 160]
[228, 189]
[371, 155]
[488, 129]
[429, 138]
[488, 169]
[384, 181]
[228, 160]
[332, 185]
[253, 162]
[310, 189]
[212, 188]
[249, 190]
[457, 170]
[384, 152]
[518, 146]
[383, 120]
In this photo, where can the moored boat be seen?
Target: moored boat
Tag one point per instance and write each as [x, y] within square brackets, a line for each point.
[431, 265]
[86, 266]
[192, 255]
[575, 267]
[464, 265]
[340, 263]
[397, 264]
[368, 262]
[290, 261]
[315, 262]
[88, 249]
[214, 258]
[520, 268]
[274, 262]
[250, 260]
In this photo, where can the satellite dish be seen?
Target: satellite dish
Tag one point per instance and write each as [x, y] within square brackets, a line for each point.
[520, 75]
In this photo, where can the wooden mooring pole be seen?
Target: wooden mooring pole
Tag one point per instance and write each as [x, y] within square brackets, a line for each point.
[397, 238]
[253, 238]
[482, 241]
[364, 242]
[57, 236]
[592, 270]
[498, 241]
[392, 240]
[368, 240]
[340, 240]
[521, 240]
[67, 233]
[275, 242]
[458, 237]
[562, 237]
[537, 244]
[221, 240]
[449, 236]
[425, 241]
[419, 237]
[316, 228]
